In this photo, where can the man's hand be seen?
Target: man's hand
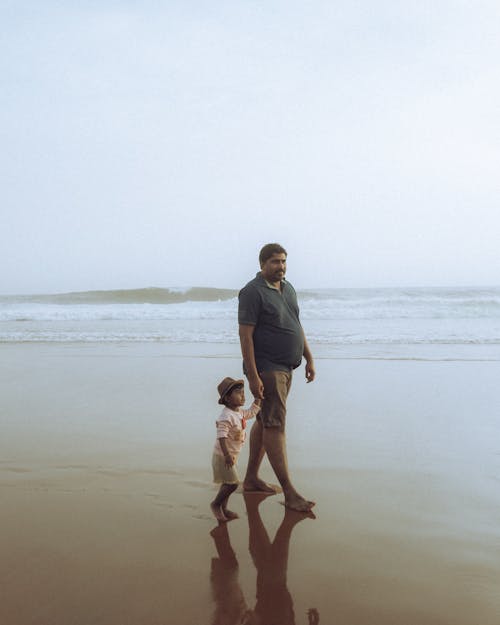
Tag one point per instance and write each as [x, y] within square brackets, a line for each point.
[310, 371]
[229, 461]
[256, 387]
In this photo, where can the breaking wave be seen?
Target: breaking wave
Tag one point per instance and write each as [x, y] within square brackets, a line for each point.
[149, 295]
[205, 315]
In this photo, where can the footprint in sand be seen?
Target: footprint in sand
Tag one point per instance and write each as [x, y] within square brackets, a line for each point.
[160, 472]
[112, 473]
[197, 484]
[203, 517]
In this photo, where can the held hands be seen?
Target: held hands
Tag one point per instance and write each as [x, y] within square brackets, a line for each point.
[256, 387]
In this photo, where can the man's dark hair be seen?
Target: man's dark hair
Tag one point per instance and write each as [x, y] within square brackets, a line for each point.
[269, 249]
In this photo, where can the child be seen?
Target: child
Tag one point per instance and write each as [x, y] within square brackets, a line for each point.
[230, 437]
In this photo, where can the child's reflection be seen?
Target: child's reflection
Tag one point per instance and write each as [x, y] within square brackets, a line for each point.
[274, 605]
[230, 605]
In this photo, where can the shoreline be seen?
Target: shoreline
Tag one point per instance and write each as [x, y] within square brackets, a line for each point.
[425, 352]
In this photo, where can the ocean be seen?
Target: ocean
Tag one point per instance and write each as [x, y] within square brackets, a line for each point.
[455, 323]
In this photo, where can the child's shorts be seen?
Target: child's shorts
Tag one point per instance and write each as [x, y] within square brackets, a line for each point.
[223, 474]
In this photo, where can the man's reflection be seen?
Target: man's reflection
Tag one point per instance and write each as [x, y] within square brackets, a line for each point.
[274, 605]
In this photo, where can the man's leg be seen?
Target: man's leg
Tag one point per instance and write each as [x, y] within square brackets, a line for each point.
[256, 453]
[275, 446]
[276, 388]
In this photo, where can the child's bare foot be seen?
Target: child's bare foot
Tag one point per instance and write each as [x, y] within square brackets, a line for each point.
[217, 512]
[259, 486]
[229, 514]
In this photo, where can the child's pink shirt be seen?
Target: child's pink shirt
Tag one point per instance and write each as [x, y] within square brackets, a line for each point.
[231, 426]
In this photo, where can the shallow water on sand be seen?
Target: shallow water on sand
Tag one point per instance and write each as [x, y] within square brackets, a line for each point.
[105, 481]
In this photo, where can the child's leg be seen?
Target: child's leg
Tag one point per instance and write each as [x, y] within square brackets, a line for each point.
[218, 505]
[228, 513]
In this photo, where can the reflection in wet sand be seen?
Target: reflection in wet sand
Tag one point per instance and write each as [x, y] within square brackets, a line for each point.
[230, 604]
[274, 605]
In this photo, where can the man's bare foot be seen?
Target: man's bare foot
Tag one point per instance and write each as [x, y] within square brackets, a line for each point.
[295, 516]
[229, 514]
[299, 504]
[217, 512]
[258, 486]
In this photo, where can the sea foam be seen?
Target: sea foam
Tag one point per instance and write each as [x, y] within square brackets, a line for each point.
[196, 314]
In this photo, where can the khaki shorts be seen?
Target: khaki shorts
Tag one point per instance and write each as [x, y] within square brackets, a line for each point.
[223, 474]
[276, 388]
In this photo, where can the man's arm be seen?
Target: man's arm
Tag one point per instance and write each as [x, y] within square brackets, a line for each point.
[247, 351]
[310, 370]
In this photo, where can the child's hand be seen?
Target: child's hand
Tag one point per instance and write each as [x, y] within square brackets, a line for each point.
[229, 461]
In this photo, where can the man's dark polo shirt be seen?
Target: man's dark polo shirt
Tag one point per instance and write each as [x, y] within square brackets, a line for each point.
[278, 338]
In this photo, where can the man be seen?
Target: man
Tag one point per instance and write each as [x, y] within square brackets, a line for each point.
[272, 344]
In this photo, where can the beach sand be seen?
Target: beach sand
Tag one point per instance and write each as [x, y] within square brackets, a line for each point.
[105, 486]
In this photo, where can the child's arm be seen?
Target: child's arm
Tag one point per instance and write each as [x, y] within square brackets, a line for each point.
[227, 456]
[254, 409]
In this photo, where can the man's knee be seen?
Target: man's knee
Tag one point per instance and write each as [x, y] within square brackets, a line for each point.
[276, 387]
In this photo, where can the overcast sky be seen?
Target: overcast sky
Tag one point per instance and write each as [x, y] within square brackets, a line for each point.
[162, 143]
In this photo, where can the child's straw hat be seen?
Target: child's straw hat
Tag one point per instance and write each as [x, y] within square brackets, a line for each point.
[226, 386]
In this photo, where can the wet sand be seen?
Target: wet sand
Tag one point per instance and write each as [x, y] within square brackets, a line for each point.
[105, 487]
